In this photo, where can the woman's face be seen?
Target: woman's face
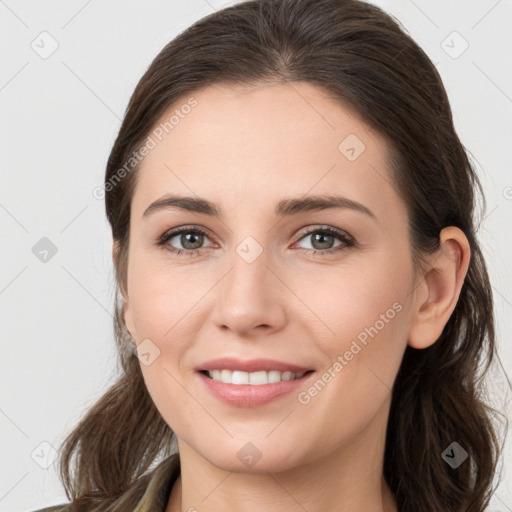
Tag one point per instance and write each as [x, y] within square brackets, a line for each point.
[267, 281]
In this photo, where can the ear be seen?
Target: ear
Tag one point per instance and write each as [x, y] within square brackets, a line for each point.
[439, 288]
[128, 320]
[127, 316]
[115, 261]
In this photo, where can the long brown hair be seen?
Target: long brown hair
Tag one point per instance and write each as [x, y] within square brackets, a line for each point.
[360, 55]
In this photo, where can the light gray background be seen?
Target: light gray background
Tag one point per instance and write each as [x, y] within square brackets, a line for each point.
[60, 116]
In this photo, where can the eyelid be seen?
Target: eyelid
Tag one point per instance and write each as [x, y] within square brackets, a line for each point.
[325, 228]
[346, 240]
[171, 233]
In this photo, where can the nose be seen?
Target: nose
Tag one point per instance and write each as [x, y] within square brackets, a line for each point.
[250, 298]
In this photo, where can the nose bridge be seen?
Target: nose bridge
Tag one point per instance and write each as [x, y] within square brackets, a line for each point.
[248, 296]
[249, 272]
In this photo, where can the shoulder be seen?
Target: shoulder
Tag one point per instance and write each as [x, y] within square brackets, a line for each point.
[53, 508]
[149, 492]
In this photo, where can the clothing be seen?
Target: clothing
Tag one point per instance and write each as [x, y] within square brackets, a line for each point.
[150, 493]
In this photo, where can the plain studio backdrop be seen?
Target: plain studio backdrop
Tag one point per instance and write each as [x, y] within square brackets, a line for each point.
[68, 69]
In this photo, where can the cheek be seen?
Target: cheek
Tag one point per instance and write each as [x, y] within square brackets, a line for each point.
[363, 358]
[162, 314]
[348, 301]
[161, 300]
[366, 315]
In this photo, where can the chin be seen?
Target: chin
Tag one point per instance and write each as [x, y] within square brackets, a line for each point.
[254, 458]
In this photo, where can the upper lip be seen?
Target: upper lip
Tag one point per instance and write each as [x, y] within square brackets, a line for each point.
[251, 365]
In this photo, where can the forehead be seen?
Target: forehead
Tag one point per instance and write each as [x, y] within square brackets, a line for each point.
[251, 145]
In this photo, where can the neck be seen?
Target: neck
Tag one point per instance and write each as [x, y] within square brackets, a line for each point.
[347, 479]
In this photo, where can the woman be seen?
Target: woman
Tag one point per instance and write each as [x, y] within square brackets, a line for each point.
[303, 301]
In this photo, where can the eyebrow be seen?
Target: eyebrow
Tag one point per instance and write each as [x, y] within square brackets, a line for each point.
[285, 207]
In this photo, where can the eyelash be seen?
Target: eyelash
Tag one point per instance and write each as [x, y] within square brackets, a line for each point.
[347, 240]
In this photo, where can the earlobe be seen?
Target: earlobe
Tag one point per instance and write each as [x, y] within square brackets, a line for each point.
[438, 292]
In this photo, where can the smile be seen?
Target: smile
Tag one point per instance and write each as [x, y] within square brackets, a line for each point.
[252, 389]
[257, 378]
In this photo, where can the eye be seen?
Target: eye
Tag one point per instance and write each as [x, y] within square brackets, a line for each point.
[191, 240]
[322, 239]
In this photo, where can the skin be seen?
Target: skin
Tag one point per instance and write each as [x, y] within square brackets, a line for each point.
[246, 148]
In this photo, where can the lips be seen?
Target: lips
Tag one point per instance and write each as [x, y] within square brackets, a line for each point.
[252, 365]
[248, 395]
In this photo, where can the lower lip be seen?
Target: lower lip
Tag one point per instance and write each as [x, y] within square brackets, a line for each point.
[247, 395]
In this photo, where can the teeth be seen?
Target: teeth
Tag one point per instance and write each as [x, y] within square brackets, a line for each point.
[254, 378]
